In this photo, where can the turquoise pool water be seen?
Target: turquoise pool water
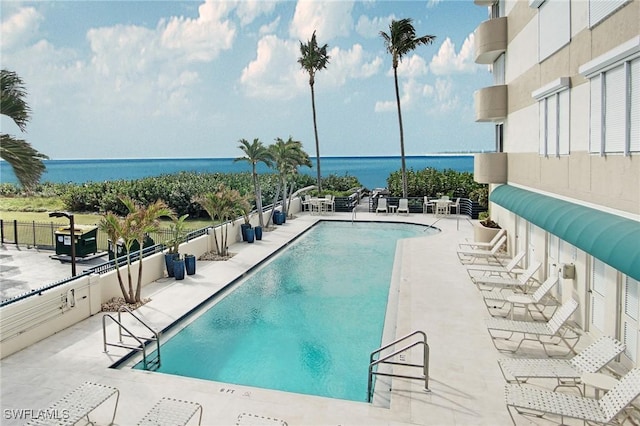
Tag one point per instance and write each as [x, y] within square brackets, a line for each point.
[306, 321]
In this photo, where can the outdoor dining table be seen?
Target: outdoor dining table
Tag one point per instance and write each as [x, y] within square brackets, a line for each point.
[447, 202]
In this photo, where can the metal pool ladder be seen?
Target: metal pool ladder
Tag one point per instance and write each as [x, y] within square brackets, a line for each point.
[420, 341]
[150, 362]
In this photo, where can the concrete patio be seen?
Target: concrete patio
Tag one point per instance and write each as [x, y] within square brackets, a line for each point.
[435, 296]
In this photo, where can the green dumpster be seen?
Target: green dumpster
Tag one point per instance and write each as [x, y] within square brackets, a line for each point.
[86, 240]
[135, 246]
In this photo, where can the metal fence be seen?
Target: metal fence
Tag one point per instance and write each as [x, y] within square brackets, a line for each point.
[43, 235]
[467, 207]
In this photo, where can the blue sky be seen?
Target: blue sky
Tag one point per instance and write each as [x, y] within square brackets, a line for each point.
[162, 79]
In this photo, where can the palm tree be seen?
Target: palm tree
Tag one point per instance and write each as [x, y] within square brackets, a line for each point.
[24, 159]
[314, 58]
[140, 221]
[255, 153]
[224, 204]
[287, 157]
[400, 41]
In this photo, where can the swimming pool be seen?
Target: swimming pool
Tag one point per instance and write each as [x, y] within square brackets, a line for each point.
[305, 321]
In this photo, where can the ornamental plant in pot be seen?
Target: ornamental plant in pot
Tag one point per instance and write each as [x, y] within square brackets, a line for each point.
[178, 231]
[245, 207]
[485, 229]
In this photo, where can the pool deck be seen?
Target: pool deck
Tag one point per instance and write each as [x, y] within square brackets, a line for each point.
[436, 296]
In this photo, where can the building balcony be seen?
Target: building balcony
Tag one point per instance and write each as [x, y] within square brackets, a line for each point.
[491, 103]
[490, 167]
[490, 40]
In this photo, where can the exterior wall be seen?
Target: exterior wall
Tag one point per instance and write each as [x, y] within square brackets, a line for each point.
[609, 182]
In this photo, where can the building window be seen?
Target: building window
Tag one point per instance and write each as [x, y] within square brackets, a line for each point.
[614, 80]
[554, 27]
[553, 111]
[498, 70]
[499, 137]
[600, 9]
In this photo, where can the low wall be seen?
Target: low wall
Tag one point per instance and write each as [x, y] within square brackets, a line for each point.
[35, 318]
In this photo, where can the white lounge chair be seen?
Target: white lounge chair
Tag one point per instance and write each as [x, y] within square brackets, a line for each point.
[496, 297]
[171, 412]
[472, 255]
[483, 244]
[552, 332]
[537, 402]
[403, 206]
[567, 372]
[382, 205]
[509, 268]
[78, 404]
[522, 281]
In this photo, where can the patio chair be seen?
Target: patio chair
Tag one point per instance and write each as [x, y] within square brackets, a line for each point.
[442, 208]
[483, 244]
[171, 412]
[521, 281]
[567, 372]
[509, 268]
[330, 203]
[78, 404]
[455, 205]
[537, 402]
[472, 255]
[306, 203]
[403, 206]
[382, 205]
[552, 332]
[426, 204]
[494, 297]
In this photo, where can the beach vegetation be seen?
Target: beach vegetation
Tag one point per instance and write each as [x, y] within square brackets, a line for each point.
[431, 182]
[25, 160]
[399, 41]
[313, 59]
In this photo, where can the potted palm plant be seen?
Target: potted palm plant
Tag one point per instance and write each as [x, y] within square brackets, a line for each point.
[177, 231]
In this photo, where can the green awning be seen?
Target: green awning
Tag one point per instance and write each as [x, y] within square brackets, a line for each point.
[615, 240]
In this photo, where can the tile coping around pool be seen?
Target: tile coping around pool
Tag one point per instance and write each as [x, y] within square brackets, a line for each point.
[435, 295]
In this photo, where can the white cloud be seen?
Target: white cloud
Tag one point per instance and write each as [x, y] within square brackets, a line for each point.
[446, 99]
[345, 64]
[249, 10]
[329, 19]
[202, 38]
[270, 28]
[19, 28]
[275, 71]
[446, 61]
[433, 3]
[412, 67]
[370, 28]
[412, 95]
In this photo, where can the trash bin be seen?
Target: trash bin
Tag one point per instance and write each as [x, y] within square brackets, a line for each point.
[86, 241]
[148, 242]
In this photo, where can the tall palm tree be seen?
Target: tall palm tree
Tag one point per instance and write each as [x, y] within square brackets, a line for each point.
[24, 159]
[255, 152]
[314, 58]
[401, 40]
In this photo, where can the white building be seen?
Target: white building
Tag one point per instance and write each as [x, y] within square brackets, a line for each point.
[565, 178]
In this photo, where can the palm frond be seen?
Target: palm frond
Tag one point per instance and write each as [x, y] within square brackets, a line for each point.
[12, 99]
[24, 159]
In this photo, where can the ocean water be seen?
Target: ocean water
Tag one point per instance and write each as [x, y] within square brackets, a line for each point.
[371, 171]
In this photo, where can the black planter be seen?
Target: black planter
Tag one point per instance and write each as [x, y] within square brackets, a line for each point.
[190, 264]
[258, 232]
[168, 261]
[243, 230]
[178, 269]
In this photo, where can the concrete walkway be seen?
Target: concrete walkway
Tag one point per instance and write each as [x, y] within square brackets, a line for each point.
[435, 295]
